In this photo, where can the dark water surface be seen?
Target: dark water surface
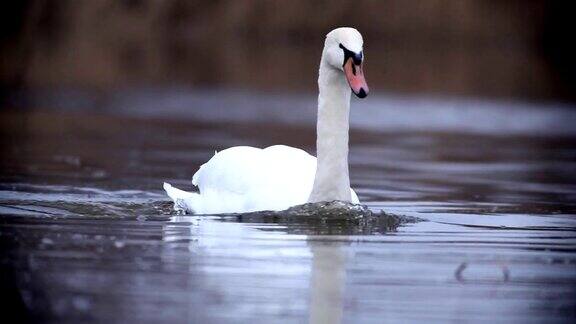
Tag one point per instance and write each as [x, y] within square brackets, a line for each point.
[88, 235]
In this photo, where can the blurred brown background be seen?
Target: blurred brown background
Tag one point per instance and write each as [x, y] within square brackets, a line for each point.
[502, 49]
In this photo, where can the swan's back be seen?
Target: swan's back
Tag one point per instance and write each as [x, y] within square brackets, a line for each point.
[244, 178]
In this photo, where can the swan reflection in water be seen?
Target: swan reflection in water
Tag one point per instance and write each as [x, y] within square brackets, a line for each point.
[266, 262]
[327, 282]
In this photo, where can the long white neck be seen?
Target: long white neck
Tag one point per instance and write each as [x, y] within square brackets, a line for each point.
[332, 181]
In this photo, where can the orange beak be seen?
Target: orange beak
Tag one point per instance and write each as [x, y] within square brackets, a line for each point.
[355, 76]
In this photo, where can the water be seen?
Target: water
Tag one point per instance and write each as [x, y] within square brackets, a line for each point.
[88, 235]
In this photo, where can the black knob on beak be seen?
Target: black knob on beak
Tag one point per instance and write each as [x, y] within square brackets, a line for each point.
[357, 58]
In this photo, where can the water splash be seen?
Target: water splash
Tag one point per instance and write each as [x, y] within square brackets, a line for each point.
[328, 218]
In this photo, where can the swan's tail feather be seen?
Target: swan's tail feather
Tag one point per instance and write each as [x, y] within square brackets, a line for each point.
[184, 201]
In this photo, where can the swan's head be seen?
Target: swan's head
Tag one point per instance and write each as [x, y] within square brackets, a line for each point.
[343, 51]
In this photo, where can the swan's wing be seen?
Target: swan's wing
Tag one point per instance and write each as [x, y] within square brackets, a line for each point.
[276, 177]
[292, 171]
[234, 169]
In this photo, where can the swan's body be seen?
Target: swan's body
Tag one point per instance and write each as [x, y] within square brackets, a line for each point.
[245, 179]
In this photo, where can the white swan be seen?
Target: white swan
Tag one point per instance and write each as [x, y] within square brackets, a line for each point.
[244, 179]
